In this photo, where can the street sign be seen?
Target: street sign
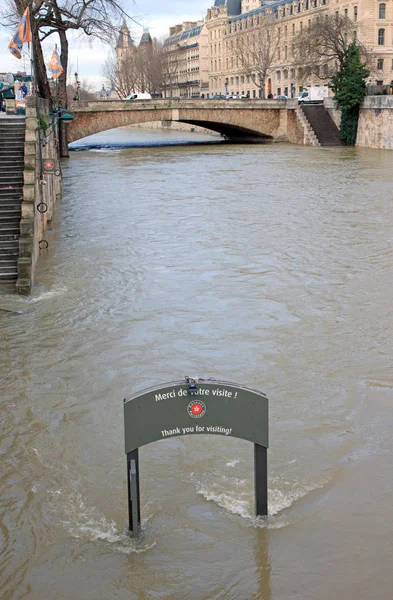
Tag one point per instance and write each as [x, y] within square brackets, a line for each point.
[191, 407]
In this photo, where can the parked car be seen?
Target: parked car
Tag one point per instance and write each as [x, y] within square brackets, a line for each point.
[138, 96]
[281, 97]
[217, 97]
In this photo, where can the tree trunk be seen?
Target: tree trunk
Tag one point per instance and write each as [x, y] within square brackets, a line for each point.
[62, 100]
[262, 86]
[41, 79]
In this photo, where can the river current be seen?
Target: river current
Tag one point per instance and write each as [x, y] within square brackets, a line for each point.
[266, 265]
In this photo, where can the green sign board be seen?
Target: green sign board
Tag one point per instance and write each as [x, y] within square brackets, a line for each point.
[190, 407]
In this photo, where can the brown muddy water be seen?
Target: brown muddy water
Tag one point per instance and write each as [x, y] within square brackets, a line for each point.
[270, 266]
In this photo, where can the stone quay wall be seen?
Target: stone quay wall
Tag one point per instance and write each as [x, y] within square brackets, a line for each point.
[40, 189]
[375, 129]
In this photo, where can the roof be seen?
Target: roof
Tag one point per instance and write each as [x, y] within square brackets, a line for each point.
[234, 7]
[183, 35]
[271, 6]
[146, 38]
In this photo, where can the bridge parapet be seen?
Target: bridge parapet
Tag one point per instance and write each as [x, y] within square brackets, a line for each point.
[178, 103]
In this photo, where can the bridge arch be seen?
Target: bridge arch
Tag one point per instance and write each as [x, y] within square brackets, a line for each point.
[245, 120]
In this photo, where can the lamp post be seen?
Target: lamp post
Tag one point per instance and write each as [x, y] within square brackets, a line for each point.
[77, 86]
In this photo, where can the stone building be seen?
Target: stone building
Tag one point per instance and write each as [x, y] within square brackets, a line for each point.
[140, 62]
[125, 48]
[185, 62]
[230, 21]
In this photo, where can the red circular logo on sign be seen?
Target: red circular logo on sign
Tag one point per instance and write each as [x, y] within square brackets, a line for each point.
[196, 409]
[49, 164]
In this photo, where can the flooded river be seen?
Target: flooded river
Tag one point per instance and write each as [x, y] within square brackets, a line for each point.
[270, 266]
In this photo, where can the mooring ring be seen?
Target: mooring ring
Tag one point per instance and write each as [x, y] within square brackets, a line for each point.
[42, 207]
[57, 172]
[43, 242]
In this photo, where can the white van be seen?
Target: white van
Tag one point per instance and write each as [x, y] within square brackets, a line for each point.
[139, 96]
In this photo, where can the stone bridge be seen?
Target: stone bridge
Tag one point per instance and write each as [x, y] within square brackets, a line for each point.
[240, 120]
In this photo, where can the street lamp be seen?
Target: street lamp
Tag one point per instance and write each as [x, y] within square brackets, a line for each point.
[77, 86]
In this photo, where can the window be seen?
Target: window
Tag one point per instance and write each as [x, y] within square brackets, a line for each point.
[278, 91]
[355, 35]
[286, 31]
[380, 64]
[285, 53]
[278, 75]
[279, 33]
[285, 74]
[392, 64]
[301, 25]
[346, 12]
[293, 74]
[381, 37]
[355, 13]
[382, 11]
[293, 28]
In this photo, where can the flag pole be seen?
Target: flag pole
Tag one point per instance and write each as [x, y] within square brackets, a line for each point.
[32, 55]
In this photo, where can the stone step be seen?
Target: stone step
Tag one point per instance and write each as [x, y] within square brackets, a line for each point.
[11, 173]
[8, 277]
[8, 266]
[12, 134]
[7, 224]
[15, 192]
[9, 248]
[8, 236]
[9, 163]
[13, 214]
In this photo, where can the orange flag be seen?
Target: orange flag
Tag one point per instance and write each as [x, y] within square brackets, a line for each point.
[21, 35]
[55, 65]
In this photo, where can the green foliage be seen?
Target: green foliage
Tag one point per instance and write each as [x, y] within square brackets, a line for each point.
[43, 124]
[349, 86]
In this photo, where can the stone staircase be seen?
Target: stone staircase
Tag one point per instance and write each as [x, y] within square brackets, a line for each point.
[322, 125]
[12, 139]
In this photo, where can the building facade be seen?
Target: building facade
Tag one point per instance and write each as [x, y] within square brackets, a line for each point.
[230, 22]
[185, 61]
[208, 59]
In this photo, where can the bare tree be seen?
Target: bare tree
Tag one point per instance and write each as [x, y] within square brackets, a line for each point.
[95, 18]
[321, 48]
[169, 67]
[257, 51]
[122, 76]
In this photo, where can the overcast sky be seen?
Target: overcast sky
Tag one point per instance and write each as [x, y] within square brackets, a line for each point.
[87, 57]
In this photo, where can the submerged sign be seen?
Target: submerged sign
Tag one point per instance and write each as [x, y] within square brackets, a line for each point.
[214, 407]
[190, 407]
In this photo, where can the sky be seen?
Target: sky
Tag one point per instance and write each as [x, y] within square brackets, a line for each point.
[88, 56]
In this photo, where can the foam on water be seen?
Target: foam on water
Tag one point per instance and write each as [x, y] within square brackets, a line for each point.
[86, 522]
[281, 496]
[47, 295]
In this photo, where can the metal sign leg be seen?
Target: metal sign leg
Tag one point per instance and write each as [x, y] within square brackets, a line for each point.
[260, 473]
[134, 510]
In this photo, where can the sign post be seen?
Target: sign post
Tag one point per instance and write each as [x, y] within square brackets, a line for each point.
[195, 406]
